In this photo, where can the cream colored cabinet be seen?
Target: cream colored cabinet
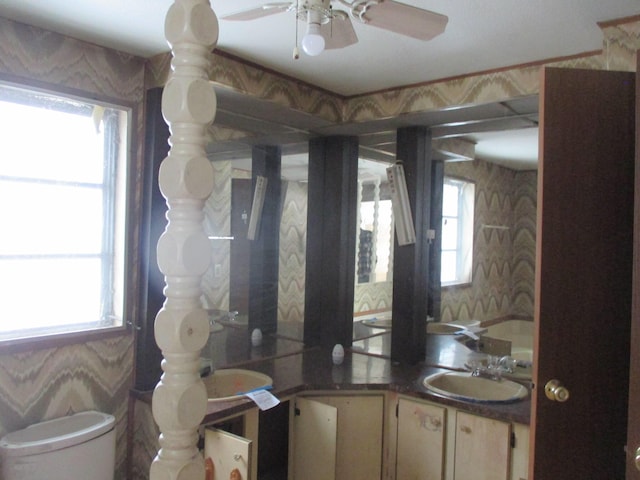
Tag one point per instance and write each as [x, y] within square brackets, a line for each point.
[336, 437]
[483, 448]
[229, 453]
[490, 449]
[421, 441]
[442, 443]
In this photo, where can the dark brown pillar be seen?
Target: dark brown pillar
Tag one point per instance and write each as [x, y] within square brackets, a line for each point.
[265, 248]
[331, 241]
[411, 262]
[154, 221]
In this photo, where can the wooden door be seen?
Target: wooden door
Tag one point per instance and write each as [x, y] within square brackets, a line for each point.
[633, 431]
[583, 273]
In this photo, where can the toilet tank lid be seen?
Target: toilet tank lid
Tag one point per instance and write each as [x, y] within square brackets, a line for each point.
[56, 434]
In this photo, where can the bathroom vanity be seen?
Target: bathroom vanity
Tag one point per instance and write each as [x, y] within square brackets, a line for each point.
[360, 434]
[364, 419]
[368, 418]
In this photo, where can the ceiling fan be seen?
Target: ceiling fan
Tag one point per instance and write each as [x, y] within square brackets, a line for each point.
[331, 28]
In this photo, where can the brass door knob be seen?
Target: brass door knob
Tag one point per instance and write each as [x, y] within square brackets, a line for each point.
[638, 459]
[554, 390]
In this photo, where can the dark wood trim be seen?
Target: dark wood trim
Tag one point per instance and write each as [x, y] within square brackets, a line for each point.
[151, 296]
[618, 21]
[434, 288]
[538, 63]
[633, 426]
[275, 73]
[61, 340]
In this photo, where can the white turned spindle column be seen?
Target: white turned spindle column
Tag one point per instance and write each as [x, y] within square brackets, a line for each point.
[186, 180]
[376, 229]
[358, 228]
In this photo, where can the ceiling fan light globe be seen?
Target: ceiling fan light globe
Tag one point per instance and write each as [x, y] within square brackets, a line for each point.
[313, 41]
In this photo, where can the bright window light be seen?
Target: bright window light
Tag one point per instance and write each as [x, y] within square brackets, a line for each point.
[62, 209]
[457, 231]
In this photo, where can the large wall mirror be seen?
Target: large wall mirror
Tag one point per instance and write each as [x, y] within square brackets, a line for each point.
[488, 240]
[504, 211]
[502, 230]
[501, 235]
[228, 212]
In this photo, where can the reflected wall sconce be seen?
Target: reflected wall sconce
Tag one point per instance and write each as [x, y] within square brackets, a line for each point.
[403, 219]
[256, 207]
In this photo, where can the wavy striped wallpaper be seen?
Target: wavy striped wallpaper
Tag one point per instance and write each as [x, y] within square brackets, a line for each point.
[218, 223]
[293, 250]
[504, 257]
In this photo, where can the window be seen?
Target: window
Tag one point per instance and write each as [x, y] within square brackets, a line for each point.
[457, 231]
[62, 211]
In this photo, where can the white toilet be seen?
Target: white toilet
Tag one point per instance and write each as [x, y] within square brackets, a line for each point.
[80, 446]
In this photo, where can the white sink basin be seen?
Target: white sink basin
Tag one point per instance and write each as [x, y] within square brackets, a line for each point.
[231, 383]
[464, 386]
[437, 328]
[376, 322]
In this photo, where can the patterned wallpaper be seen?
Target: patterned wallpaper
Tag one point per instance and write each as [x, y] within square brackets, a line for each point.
[372, 297]
[293, 227]
[293, 250]
[620, 42]
[45, 383]
[218, 223]
[503, 258]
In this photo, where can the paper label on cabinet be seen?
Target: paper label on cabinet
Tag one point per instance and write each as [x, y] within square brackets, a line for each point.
[263, 398]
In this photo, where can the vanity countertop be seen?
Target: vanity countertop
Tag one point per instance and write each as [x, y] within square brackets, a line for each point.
[313, 370]
[366, 367]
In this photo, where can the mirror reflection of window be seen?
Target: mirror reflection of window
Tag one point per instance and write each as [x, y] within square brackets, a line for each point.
[457, 231]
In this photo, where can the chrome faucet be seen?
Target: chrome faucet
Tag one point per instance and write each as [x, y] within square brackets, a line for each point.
[494, 368]
[216, 316]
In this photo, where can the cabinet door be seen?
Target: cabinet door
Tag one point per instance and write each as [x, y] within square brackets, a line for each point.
[228, 453]
[315, 430]
[421, 436]
[483, 448]
[360, 431]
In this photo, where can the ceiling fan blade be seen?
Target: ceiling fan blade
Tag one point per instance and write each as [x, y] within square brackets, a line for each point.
[338, 33]
[406, 20]
[263, 11]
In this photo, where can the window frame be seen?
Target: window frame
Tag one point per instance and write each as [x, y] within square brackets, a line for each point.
[92, 330]
[466, 226]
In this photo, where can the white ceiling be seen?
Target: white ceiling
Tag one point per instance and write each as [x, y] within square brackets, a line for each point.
[481, 35]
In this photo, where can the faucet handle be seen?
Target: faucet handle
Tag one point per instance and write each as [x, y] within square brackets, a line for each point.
[508, 363]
